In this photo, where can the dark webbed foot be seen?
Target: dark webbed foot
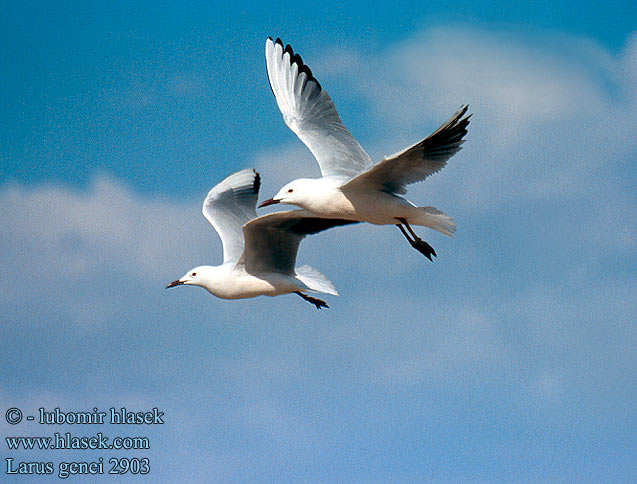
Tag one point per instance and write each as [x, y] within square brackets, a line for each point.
[424, 248]
[415, 241]
[317, 302]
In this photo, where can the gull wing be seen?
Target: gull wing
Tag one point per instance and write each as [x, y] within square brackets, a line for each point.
[272, 241]
[229, 205]
[417, 162]
[310, 113]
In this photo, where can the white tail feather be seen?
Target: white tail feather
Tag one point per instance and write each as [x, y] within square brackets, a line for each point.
[435, 219]
[315, 281]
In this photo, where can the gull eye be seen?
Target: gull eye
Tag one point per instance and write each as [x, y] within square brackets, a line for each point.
[194, 274]
[290, 190]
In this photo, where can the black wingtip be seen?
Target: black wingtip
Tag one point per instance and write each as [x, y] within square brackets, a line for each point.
[460, 114]
[458, 122]
[257, 182]
[464, 111]
[296, 58]
[448, 138]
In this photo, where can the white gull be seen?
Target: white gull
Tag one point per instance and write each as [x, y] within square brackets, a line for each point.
[259, 254]
[352, 187]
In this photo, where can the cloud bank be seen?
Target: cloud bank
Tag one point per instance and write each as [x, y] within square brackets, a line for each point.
[521, 333]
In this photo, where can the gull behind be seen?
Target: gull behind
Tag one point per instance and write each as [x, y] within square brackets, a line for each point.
[352, 187]
[259, 254]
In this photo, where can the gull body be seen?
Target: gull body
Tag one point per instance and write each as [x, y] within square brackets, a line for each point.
[352, 187]
[228, 281]
[325, 197]
[259, 253]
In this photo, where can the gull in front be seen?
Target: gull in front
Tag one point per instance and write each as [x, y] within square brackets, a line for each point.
[352, 187]
[259, 254]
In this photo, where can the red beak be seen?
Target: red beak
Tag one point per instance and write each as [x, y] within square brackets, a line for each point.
[174, 283]
[270, 201]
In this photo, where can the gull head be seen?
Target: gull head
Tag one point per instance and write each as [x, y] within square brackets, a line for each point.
[302, 193]
[199, 276]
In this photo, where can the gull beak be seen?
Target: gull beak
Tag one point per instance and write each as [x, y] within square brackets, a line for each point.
[175, 283]
[270, 201]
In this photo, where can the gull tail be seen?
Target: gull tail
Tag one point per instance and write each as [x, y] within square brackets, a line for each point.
[314, 280]
[434, 219]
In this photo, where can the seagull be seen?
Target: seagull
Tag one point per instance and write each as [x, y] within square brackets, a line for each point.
[259, 253]
[352, 187]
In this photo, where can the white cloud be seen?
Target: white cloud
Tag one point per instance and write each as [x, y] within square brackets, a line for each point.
[73, 237]
[78, 231]
[552, 114]
[535, 290]
[69, 247]
[552, 131]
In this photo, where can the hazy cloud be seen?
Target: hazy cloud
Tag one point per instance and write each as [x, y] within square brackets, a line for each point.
[553, 115]
[529, 308]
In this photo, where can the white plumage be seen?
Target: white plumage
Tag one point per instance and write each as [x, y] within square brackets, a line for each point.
[259, 253]
[352, 187]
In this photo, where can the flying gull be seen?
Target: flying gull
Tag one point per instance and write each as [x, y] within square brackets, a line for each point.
[259, 254]
[352, 187]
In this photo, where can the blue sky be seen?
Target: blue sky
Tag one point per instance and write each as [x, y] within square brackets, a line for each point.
[510, 358]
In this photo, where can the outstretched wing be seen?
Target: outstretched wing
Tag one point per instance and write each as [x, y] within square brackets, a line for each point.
[230, 205]
[272, 241]
[310, 113]
[417, 162]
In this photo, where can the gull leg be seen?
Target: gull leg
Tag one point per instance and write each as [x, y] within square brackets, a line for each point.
[317, 302]
[416, 242]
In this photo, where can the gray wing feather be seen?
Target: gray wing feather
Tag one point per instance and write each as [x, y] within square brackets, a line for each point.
[417, 162]
[272, 241]
[310, 113]
[230, 205]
